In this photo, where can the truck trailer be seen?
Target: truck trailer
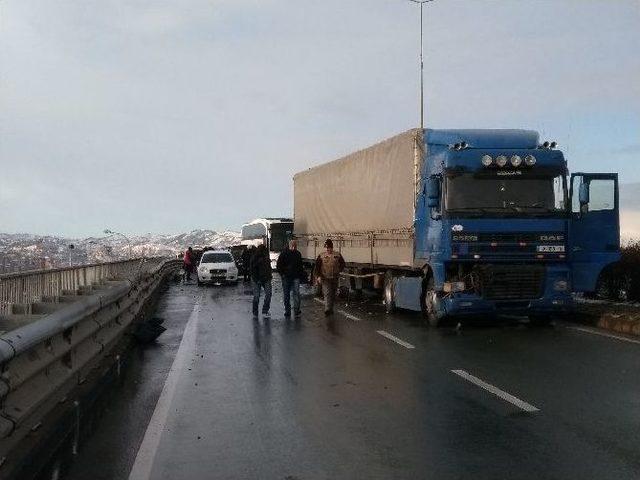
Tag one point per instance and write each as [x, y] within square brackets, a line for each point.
[457, 223]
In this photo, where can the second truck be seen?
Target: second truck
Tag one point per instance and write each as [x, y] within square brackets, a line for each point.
[462, 222]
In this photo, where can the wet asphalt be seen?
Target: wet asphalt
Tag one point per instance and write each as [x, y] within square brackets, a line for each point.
[338, 398]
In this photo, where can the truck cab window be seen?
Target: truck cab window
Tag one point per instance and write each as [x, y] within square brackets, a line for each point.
[601, 195]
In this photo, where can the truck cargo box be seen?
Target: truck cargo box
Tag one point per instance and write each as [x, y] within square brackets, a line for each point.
[363, 201]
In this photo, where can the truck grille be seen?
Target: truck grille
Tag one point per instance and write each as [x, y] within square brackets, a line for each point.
[512, 282]
[527, 245]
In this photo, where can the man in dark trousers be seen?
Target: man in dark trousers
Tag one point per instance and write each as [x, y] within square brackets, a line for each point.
[188, 263]
[291, 271]
[261, 280]
[246, 262]
[329, 264]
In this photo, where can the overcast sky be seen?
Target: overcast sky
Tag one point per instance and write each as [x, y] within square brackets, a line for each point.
[165, 116]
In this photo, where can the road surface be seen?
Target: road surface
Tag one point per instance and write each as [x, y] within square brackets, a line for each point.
[365, 395]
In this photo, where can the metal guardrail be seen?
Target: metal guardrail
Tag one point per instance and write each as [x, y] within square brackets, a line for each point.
[44, 360]
[30, 287]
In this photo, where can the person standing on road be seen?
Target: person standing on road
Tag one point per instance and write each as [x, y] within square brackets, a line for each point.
[260, 266]
[246, 261]
[291, 271]
[329, 264]
[187, 263]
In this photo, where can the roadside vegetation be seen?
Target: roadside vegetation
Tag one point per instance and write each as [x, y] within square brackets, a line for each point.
[621, 282]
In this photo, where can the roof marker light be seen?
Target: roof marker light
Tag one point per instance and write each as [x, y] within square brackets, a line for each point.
[553, 145]
[530, 160]
[463, 145]
[501, 160]
[487, 160]
[516, 160]
[545, 145]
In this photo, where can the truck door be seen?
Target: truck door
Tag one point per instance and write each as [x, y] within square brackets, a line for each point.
[594, 228]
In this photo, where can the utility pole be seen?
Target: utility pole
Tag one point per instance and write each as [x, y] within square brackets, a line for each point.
[421, 3]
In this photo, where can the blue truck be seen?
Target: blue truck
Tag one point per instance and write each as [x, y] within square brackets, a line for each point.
[462, 223]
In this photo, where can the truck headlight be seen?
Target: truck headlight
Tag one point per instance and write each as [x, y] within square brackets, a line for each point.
[516, 160]
[487, 160]
[561, 285]
[501, 160]
[530, 160]
[451, 287]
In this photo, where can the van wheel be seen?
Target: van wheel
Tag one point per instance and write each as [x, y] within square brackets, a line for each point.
[389, 294]
[427, 302]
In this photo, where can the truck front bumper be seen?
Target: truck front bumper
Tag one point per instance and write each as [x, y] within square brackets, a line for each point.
[463, 304]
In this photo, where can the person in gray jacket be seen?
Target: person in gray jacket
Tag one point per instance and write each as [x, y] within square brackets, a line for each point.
[329, 264]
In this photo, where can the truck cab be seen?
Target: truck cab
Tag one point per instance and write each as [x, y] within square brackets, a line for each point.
[501, 227]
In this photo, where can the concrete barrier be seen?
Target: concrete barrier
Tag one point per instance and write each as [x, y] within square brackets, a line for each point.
[44, 360]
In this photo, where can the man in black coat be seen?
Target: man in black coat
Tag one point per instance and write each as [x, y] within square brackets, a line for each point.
[291, 270]
[260, 266]
[246, 262]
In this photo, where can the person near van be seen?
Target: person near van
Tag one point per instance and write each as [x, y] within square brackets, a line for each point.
[260, 267]
[187, 263]
[329, 264]
[291, 271]
[246, 260]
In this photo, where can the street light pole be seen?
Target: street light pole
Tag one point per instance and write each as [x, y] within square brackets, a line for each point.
[421, 3]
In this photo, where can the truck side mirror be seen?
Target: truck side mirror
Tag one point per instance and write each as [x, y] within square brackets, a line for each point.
[583, 194]
[433, 192]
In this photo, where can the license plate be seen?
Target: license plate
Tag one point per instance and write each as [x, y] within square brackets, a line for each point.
[551, 248]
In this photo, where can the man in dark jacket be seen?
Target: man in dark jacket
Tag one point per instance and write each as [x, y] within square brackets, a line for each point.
[246, 261]
[260, 267]
[291, 270]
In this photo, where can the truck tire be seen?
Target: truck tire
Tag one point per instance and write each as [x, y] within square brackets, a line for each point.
[426, 301]
[388, 293]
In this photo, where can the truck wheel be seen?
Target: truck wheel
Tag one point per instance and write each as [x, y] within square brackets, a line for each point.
[389, 293]
[427, 302]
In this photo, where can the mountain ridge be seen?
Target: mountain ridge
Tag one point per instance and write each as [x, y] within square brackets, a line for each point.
[25, 251]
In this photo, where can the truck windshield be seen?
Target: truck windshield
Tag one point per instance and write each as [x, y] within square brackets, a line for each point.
[505, 195]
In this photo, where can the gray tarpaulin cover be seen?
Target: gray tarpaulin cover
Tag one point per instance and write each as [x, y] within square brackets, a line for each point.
[369, 190]
[361, 201]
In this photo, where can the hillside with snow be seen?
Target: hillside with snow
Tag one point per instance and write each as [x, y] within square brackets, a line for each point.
[20, 252]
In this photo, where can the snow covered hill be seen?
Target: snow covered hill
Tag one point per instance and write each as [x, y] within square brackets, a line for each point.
[20, 252]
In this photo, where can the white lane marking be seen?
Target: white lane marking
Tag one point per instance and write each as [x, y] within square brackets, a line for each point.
[527, 407]
[602, 334]
[349, 316]
[146, 453]
[395, 339]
